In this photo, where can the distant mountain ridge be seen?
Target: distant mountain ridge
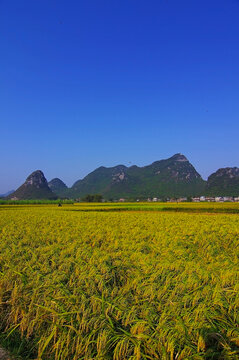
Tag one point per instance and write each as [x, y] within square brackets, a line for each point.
[169, 178]
[6, 194]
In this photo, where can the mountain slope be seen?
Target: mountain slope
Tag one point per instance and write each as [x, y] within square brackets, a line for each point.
[224, 182]
[57, 186]
[35, 187]
[98, 181]
[172, 177]
[7, 193]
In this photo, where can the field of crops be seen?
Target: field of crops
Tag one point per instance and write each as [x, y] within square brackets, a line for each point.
[120, 281]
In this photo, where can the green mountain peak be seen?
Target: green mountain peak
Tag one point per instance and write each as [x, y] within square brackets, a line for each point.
[35, 187]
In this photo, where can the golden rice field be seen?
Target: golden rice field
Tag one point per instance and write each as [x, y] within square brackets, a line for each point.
[91, 282]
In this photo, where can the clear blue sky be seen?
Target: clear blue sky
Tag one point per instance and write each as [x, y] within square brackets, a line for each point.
[107, 82]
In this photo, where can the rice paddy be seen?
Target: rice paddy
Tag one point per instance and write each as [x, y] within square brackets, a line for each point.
[120, 281]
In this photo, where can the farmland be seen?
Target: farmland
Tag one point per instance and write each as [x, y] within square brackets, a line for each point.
[120, 281]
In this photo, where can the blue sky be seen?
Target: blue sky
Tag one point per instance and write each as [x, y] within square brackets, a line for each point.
[106, 82]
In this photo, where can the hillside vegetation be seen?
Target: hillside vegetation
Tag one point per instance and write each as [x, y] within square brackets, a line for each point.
[172, 177]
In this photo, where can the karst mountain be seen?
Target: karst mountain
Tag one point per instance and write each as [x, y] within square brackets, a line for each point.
[169, 178]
